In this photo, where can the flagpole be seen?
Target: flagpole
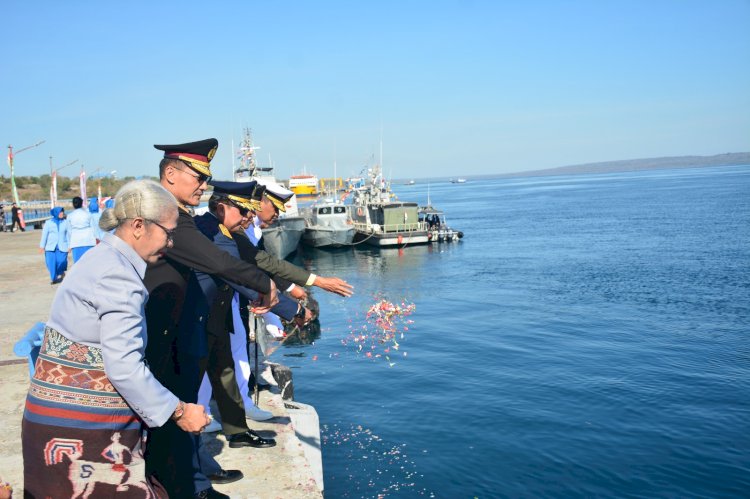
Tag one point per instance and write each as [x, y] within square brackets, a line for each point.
[82, 183]
[53, 175]
[12, 172]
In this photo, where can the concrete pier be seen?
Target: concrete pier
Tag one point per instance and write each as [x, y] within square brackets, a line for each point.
[25, 298]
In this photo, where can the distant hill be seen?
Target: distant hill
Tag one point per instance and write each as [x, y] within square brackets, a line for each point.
[629, 165]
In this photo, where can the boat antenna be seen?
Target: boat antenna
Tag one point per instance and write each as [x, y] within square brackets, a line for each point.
[335, 178]
[381, 147]
[429, 203]
[233, 154]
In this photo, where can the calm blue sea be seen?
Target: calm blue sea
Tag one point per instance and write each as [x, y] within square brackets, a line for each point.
[588, 337]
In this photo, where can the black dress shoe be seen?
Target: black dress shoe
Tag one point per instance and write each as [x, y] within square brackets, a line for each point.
[250, 439]
[211, 494]
[226, 476]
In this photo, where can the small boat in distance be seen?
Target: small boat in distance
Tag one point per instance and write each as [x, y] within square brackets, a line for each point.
[328, 225]
[410, 182]
[458, 180]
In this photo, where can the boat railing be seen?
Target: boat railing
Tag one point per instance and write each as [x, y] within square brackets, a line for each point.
[402, 227]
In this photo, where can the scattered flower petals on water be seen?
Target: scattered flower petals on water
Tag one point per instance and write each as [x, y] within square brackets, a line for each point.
[384, 322]
[395, 473]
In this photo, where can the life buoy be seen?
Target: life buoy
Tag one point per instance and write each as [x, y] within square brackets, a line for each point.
[360, 212]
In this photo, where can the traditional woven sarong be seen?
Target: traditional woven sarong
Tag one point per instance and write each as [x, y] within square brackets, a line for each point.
[79, 436]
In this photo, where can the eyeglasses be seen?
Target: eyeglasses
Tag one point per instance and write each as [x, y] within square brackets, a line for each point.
[243, 211]
[201, 177]
[168, 232]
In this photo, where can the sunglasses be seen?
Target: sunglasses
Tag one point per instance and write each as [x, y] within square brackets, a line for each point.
[168, 232]
[243, 211]
[201, 177]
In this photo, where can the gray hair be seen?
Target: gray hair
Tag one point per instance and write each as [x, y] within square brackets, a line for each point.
[138, 199]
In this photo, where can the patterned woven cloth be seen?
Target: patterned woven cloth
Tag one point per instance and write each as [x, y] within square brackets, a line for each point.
[79, 435]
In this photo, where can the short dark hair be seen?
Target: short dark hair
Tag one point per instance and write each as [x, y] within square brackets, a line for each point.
[77, 202]
[164, 163]
[215, 200]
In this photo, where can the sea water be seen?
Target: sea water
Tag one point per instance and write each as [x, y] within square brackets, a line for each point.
[587, 337]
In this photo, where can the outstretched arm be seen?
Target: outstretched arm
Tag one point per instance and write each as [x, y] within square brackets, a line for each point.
[334, 285]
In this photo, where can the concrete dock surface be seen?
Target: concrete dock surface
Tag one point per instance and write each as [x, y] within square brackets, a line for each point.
[25, 298]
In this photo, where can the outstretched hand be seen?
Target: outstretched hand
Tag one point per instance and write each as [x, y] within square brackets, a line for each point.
[334, 285]
[266, 302]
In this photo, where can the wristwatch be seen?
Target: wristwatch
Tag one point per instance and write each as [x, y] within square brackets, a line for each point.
[179, 411]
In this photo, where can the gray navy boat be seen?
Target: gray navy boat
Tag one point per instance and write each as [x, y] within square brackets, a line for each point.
[328, 225]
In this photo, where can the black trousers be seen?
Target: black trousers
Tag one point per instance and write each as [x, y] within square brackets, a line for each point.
[17, 221]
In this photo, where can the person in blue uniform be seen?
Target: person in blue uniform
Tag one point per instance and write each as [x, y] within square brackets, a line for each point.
[55, 244]
[82, 233]
[95, 216]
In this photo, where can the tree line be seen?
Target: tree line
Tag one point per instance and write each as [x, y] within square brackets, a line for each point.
[34, 188]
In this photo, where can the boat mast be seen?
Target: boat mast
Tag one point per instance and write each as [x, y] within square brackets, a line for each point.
[232, 153]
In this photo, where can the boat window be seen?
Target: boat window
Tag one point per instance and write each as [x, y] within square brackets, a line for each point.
[325, 211]
[339, 209]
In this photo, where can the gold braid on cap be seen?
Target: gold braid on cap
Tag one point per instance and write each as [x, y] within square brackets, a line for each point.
[276, 202]
[243, 202]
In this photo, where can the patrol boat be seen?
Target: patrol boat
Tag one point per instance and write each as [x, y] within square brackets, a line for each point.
[380, 219]
[328, 225]
[438, 230]
[282, 237]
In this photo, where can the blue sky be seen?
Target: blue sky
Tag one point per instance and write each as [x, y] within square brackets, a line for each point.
[457, 88]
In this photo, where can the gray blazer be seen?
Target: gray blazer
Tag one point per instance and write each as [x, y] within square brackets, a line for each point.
[101, 304]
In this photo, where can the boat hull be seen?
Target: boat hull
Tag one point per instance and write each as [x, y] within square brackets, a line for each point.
[304, 190]
[322, 237]
[387, 239]
[282, 238]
